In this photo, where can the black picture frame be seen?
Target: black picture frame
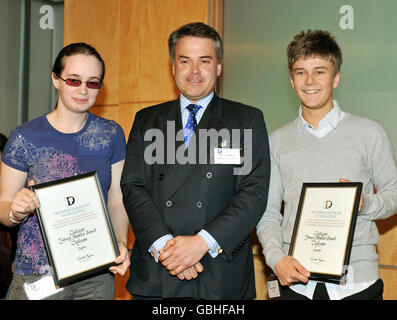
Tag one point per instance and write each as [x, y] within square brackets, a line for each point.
[314, 242]
[70, 232]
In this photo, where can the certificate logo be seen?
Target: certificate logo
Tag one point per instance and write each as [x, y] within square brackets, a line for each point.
[328, 204]
[70, 200]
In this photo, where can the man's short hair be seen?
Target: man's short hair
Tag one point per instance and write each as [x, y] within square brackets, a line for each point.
[314, 43]
[196, 29]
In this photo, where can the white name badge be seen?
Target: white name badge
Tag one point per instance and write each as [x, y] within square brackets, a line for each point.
[41, 289]
[227, 156]
[273, 289]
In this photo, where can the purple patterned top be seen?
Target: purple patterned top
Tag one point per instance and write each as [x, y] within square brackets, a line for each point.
[47, 155]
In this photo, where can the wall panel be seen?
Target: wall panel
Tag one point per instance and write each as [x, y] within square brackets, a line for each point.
[387, 247]
[389, 277]
[97, 23]
[146, 71]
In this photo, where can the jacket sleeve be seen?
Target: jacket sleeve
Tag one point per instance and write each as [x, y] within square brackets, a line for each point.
[145, 220]
[233, 225]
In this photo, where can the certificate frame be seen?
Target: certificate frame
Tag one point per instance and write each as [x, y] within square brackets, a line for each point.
[76, 228]
[322, 238]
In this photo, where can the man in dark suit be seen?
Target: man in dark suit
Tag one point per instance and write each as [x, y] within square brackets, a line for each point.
[195, 182]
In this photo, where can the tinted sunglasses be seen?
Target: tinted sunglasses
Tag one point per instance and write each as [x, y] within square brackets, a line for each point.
[78, 82]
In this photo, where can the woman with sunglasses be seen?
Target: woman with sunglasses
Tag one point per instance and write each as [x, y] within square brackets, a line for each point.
[65, 142]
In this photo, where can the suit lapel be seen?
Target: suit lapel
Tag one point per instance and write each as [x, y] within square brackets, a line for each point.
[177, 173]
[214, 116]
[171, 114]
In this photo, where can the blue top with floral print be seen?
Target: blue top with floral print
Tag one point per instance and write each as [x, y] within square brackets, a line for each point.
[47, 155]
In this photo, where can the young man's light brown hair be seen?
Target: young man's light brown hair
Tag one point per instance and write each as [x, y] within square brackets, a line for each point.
[314, 43]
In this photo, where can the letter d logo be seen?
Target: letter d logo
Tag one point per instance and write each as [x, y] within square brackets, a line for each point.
[70, 200]
[328, 204]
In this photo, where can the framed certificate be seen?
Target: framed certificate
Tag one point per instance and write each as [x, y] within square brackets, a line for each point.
[324, 228]
[76, 227]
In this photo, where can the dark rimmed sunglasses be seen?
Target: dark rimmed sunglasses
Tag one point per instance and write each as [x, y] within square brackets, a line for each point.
[77, 83]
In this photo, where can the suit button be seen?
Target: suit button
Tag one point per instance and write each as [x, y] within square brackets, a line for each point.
[161, 176]
[168, 203]
[209, 175]
[199, 204]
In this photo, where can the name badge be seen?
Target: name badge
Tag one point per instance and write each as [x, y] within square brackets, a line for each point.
[227, 156]
[273, 289]
[41, 289]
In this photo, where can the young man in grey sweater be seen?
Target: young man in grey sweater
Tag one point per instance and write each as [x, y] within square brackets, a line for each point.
[326, 144]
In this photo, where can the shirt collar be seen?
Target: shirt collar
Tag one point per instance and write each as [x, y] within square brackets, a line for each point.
[332, 118]
[203, 102]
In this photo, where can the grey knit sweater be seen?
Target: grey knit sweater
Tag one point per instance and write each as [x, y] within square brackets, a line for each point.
[359, 150]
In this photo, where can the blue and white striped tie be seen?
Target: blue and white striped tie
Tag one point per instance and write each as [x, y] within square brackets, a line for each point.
[191, 123]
